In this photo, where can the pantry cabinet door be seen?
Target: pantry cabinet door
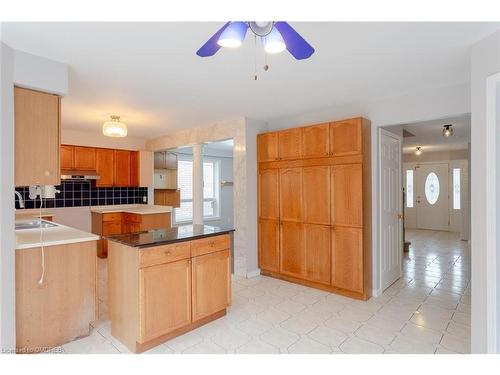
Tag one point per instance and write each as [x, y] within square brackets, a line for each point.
[267, 147]
[290, 143]
[347, 195]
[316, 141]
[317, 249]
[269, 245]
[165, 298]
[290, 188]
[269, 194]
[292, 250]
[316, 199]
[345, 137]
[347, 258]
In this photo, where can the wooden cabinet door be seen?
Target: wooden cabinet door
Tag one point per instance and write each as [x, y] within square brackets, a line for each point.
[122, 168]
[134, 168]
[37, 138]
[318, 250]
[290, 188]
[67, 161]
[164, 298]
[159, 160]
[316, 195]
[345, 137]
[316, 141]
[105, 160]
[170, 160]
[347, 258]
[268, 194]
[267, 146]
[84, 158]
[269, 245]
[347, 195]
[292, 250]
[290, 144]
[211, 275]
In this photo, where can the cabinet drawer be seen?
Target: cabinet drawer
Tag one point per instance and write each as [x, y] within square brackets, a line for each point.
[111, 228]
[132, 218]
[209, 245]
[164, 254]
[114, 216]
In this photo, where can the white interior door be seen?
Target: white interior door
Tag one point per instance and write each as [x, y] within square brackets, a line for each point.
[432, 197]
[390, 192]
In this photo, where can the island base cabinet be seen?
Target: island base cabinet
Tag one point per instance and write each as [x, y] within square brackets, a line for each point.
[169, 307]
[211, 283]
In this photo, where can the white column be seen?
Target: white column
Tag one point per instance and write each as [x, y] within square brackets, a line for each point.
[198, 184]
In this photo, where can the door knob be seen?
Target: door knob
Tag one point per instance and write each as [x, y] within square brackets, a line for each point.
[400, 216]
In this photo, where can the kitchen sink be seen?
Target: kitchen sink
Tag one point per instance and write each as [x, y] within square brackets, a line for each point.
[34, 224]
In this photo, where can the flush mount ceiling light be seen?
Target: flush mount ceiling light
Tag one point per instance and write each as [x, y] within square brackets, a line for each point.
[447, 130]
[114, 128]
[418, 150]
[275, 37]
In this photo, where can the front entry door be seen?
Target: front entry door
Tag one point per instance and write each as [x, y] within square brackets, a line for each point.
[432, 196]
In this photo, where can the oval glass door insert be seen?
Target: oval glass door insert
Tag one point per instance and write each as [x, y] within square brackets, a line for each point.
[432, 188]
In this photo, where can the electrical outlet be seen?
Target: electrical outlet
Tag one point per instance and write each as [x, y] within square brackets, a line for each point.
[35, 191]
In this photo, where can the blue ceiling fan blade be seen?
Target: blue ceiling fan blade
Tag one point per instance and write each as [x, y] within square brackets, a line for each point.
[211, 46]
[295, 44]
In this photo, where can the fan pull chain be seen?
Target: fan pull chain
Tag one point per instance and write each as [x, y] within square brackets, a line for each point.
[255, 58]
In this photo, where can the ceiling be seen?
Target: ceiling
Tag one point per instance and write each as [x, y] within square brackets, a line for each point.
[429, 136]
[149, 74]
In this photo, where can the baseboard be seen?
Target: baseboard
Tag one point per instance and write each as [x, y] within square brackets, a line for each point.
[254, 273]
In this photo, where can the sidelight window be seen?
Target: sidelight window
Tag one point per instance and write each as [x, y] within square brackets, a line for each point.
[456, 188]
[409, 188]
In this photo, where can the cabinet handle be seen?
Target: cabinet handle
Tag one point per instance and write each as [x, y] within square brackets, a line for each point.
[211, 244]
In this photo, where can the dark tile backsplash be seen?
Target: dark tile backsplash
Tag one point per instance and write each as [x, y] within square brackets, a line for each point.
[82, 193]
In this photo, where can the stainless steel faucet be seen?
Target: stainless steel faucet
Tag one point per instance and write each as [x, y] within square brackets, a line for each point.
[21, 200]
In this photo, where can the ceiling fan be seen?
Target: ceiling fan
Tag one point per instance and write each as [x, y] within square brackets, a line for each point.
[275, 37]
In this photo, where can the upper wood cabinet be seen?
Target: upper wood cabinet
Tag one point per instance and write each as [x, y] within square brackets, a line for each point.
[347, 195]
[290, 194]
[267, 146]
[67, 157]
[135, 168]
[37, 137]
[211, 277]
[316, 141]
[269, 194]
[122, 168]
[269, 254]
[84, 158]
[105, 160]
[347, 258]
[164, 298]
[165, 160]
[316, 194]
[290, 143]
[346, 137]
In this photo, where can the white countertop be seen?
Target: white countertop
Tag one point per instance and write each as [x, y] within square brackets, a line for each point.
[139, 209]
[59, 235]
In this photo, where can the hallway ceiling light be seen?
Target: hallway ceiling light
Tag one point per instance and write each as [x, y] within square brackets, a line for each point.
[114, 128]
[448, 130]
[418, 150]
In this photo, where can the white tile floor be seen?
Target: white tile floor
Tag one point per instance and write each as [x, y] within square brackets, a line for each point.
[426, 311]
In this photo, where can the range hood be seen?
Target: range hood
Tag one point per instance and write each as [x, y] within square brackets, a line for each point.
[67, 174]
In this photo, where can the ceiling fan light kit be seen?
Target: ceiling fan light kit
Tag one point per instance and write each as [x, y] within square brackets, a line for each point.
[418, 150]
[448, 130]
[275, 37]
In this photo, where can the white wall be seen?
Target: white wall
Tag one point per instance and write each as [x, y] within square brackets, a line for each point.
[17, 68]
[433, 104]
[7, 239]
[485, 61]
[85, 138]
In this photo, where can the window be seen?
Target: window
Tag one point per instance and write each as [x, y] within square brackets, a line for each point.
[211, 184]
[432, 188]
[409, 188]
[456, 188]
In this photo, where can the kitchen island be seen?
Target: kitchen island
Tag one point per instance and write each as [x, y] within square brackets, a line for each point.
[165, 282]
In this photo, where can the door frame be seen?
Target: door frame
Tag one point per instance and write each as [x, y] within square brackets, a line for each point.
[381, 133]
[492, 277]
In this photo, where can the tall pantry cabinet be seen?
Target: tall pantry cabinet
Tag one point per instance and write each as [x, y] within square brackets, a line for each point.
[314, 206]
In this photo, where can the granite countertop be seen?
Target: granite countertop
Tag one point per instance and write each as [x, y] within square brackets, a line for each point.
[140, 209]
[166, 236]
[57, 235]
